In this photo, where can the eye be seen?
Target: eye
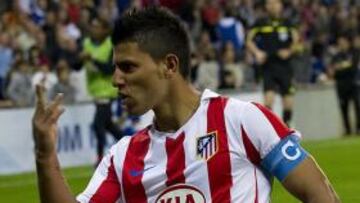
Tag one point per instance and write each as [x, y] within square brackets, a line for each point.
[126, 67]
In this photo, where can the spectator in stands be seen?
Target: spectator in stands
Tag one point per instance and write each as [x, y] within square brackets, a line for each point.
[345, 71]
[85, 16]
[246, 12]
[38, 11]
[20, 83]
[6, 54]
[108, 11]
[211, 14]
[318, 63]
[230, 67]
[37, 57]
[208, 71]
[63, 85]
[229, 29]
[49, 28]
[23, 31]
[97, 55]
[74, 10]
[66, 31]
[44, 76]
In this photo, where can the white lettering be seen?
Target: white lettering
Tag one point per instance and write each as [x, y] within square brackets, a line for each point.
[287, 145]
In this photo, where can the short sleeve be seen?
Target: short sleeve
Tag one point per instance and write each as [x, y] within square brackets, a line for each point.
[262, 130]
[254, 30]
[104, 186]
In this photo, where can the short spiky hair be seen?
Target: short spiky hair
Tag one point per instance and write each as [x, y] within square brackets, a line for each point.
[158, 32]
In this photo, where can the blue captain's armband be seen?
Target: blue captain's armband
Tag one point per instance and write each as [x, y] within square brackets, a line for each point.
[285, 157]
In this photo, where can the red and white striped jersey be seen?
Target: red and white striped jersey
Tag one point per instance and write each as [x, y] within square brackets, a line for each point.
[214, 157]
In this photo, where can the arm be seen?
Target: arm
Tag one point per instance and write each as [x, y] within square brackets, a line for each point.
[105, 68]
[283, 157]
[308, 183]
[288, 52]
[260, 55]
[52, 185]
[298, 172]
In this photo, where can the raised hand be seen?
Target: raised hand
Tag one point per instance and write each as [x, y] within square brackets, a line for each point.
[44, 123]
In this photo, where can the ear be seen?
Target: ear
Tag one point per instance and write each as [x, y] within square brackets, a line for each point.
[171, 65]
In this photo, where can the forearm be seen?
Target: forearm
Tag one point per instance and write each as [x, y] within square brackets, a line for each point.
[322, 192]
[252, 46]
[312, 186]
[294, 47]
[51, 183]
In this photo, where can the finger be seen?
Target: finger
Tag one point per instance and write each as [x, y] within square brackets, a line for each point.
[40, 96]
[56, 115]
[55, 105]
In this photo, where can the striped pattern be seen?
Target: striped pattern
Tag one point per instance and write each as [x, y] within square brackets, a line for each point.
[233, 137]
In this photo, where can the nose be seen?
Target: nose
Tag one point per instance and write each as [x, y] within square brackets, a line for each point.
[118, 79]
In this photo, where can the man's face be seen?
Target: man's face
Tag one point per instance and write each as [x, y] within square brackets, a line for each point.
[98, 32]
[138, 78]
[274, 7]
[343, 44]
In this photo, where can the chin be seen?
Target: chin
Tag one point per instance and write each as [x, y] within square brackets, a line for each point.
[136, 112]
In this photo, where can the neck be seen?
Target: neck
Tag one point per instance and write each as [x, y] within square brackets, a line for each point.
[275, 15]
[181, 103]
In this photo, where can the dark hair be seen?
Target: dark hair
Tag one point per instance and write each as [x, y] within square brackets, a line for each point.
[103, 22]
[158, 32]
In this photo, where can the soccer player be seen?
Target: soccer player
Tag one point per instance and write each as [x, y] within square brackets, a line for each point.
[201, 147]
[272, 41]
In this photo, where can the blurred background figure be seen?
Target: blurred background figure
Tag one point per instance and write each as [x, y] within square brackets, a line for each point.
[231, 30]
[207, 75]
[6, 54]
[345, 68]
[97, 61]
[272, 41]
[20, 83]
[63, 85]
[231, 68]
[43, 75]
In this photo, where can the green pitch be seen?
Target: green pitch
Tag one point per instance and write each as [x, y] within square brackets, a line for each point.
[339, 158]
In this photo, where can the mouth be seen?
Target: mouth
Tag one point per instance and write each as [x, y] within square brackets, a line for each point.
[122, 95]
[125, 99]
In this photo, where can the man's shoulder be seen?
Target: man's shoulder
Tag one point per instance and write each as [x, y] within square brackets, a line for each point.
[235, 108]
[237, 103]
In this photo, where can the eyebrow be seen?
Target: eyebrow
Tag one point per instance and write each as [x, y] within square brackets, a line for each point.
[124, 63]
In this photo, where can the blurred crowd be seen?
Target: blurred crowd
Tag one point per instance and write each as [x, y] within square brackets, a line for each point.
[41, 41]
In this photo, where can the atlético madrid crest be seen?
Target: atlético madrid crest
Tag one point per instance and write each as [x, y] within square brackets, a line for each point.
[207, 145]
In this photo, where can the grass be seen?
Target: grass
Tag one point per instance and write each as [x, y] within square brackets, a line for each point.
[339, 158]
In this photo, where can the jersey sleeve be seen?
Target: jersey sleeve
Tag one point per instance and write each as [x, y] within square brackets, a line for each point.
[254, 30]
[104, 186]
[262, 130]
[269, 143]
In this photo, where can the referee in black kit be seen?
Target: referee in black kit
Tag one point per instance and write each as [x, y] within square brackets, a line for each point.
[272, 41]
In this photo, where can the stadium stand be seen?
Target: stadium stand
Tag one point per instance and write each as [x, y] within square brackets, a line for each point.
[42, 32]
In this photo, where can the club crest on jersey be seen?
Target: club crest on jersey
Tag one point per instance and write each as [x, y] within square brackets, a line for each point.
[207, 145]
[181, 193]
